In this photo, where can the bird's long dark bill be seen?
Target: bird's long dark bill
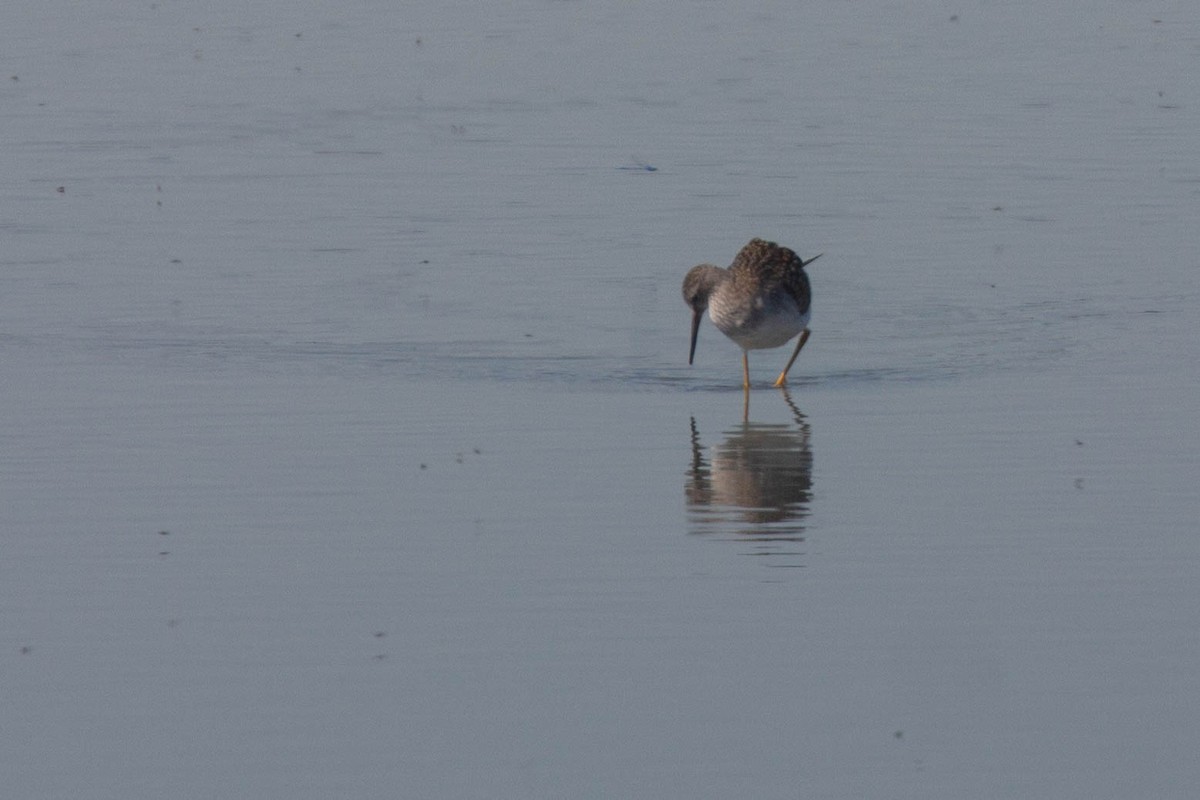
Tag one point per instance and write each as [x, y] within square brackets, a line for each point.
[696, 317]
[814, 258]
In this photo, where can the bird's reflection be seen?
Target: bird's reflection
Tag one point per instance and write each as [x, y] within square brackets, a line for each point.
[756, 485]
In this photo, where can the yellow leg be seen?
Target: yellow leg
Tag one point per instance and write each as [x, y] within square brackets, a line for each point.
[745, 370]
[782, 379]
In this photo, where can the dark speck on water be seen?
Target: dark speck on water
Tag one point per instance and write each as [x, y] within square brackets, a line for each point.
[639, 166]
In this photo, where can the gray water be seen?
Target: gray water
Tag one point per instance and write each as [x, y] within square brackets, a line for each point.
[349, 448]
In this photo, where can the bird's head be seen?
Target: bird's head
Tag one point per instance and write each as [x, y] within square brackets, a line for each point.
[698, 286]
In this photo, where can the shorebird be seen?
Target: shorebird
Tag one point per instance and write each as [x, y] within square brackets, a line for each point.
[761, 301]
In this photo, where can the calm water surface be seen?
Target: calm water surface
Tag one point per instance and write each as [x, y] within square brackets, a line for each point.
[349, 446]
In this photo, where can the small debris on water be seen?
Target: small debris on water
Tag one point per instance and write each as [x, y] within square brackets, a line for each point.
[639, 166]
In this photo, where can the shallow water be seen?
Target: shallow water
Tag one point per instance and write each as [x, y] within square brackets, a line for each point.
[350, 447]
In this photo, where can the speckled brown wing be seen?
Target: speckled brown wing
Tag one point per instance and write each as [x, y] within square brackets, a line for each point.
[766, 265]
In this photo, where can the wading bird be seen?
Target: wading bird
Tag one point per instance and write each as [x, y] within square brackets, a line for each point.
[761, 301]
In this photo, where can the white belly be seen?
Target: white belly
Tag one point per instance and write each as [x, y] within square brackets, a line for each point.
[759, 326]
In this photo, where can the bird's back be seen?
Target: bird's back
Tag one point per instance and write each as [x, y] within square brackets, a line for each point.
[764, 268]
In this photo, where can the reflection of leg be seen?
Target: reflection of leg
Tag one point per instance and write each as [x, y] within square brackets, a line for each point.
[797, 414]
[745, 370]
[746, 404]
[782, 379]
